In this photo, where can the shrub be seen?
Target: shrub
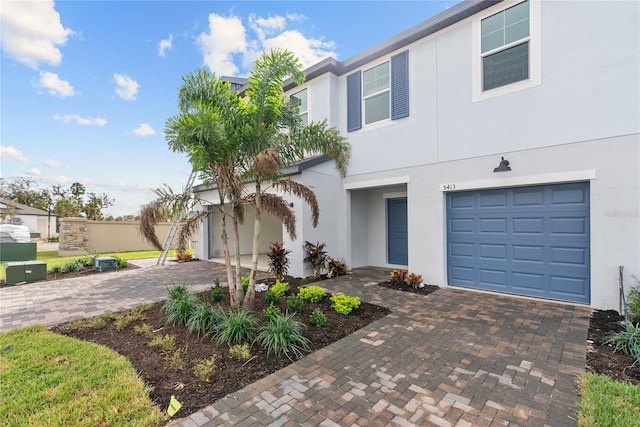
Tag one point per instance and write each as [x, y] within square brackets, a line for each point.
[179, 305]
[318, 318]
[633, 302]
[278, 260]
[175, 358]
[97, 322]
[271, 297]
[312, 294]
[398, 277]
[71, 265]
[294, 303]
[56, 268]
[414, 280]
[621, 341]
[122, 320]
[245, 284]
[236, 327]
[336, 268]
[271, 311]
[282, 335]
[122, 263]
[205, 368]
[203, 319]
[86, 261]
[144, 330]
[344, 304]
[53, 238]
[279, 288]
[167, 342]
[216, 291]
[184, 256]
[240, 351]
[316, 256]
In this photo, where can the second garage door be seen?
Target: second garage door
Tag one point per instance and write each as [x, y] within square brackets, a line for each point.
[528, 240]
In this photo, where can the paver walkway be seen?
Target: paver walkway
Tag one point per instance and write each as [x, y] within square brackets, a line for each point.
[453, 358]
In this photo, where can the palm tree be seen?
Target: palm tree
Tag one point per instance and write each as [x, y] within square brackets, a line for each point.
[274, 135]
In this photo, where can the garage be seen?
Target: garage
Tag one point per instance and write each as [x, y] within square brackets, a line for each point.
[531, 241]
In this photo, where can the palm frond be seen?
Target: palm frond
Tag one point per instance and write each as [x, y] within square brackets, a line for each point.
[149, 218]
[268, 162]
[305, 193]
[188, 227]
[278, 207]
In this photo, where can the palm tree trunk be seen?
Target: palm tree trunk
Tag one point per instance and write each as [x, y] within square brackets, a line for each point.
[235, 304]
[236, 238]
[249, 298]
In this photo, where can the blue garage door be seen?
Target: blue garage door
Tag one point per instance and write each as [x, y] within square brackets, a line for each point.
[528, 241]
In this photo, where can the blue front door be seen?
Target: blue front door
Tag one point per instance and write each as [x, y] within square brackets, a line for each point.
[397, 231]
[528, 240]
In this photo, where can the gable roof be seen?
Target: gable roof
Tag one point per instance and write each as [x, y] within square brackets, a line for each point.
[24, 209]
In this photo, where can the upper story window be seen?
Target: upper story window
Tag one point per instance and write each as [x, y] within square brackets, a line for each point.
[505, 47]
[301, 99]
[375, 93]
[383, 90]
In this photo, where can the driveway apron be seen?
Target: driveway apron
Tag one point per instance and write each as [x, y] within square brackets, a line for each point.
[452, 358]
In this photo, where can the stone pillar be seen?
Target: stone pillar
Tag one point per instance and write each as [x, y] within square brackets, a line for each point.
[74, 237]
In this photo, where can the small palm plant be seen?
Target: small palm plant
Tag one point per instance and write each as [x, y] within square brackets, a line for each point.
[278, 260]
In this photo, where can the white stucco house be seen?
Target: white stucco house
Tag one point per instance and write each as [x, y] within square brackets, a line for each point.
[42, 224]
[550, 87]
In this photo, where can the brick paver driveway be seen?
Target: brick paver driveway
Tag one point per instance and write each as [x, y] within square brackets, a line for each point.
[453, 358]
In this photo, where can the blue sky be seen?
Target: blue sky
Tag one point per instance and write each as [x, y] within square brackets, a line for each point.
[87, 86]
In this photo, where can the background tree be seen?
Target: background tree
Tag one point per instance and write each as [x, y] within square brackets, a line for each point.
[95, 204]
[25, 191]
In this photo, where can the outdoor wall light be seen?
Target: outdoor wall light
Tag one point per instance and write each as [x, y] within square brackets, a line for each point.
[503, 166]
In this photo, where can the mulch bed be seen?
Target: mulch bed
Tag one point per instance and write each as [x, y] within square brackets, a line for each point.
[231, 374]
[405, 287]
[600, 357]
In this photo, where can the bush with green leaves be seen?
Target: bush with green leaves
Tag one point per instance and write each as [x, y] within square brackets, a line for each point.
[622, 341]
[344, 304]
[180, 304]
[56, 269]
[71, 266]
[318, 318]
[633, 302]
[122, 263]
[271, 297]
[237, 327]
[240, 351]
[271, 311]
[245, 284]
[294, 304]
[203, 319]
[217, 293]
[312, 293]
[282, 335]
[279, 288]
[205, 368]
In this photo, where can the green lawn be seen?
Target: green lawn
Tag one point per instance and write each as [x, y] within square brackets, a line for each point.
[604, 402]
[52, 258]
[53, 380]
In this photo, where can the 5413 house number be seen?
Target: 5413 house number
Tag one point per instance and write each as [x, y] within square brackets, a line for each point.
[447, 187]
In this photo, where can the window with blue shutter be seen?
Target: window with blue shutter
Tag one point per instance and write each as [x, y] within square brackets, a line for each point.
[379, 93]
[400, 85]
[354, 98]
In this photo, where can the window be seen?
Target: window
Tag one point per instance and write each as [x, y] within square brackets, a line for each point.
[301, 99]
[375, 93]
[381, 92]
[505, 47]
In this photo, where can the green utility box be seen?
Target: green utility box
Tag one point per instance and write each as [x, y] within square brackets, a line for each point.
[106, 263]
[25, 271]
[11, 251]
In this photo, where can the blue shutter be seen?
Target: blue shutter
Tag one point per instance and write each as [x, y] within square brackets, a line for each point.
[400, 85]
[354, 102]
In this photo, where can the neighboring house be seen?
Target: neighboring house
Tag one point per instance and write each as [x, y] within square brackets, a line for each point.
[552, 87]
[41, 223]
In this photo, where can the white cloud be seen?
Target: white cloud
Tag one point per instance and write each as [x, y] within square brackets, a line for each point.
[32, 32]
[165, 45]
[12, 153]
[143, 130]
[34, 172]
[126, 87]
[82, 121]
[55, 85]
[227, 46]
[52, 164]
[225, 38]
